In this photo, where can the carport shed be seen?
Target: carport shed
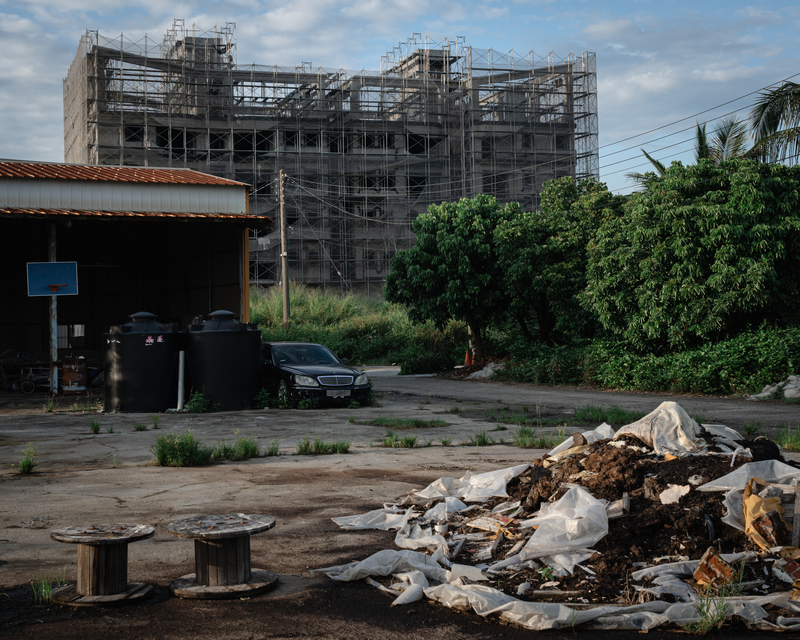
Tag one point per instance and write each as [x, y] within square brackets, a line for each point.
[173, 242]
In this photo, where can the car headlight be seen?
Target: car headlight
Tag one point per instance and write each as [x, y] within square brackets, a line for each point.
[305, 381]
[362, 379]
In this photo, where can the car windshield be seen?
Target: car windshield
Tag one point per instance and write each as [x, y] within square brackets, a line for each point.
[302, 354]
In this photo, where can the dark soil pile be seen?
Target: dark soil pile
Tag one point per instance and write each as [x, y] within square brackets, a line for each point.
[651, 533]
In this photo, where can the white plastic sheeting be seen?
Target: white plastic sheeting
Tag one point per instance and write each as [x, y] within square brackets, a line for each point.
[564, 534]
[472, 488]
[668, 429]
[389, 518]
[768, 470]
[603, 432]
[386, 563]
[541, 616]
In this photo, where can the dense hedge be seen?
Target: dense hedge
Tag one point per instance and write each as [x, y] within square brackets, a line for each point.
[363, 330]
[742, 365]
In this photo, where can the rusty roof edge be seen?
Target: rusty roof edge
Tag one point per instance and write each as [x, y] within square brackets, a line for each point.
[94, 213]
[10, 168]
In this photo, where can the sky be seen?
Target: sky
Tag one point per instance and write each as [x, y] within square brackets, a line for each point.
[661, 65]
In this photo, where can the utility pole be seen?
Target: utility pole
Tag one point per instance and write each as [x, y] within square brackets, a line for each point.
[284, 257]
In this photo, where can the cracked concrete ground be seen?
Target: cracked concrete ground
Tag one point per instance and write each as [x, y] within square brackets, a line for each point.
[84, 479]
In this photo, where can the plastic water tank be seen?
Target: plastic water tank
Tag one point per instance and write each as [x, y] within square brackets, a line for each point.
[141, 365]
[225, 360]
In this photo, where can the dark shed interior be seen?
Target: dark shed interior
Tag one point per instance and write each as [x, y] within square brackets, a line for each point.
[176, 269]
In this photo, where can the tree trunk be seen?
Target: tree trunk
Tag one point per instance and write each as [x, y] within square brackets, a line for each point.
[477, 341]
[524, 328]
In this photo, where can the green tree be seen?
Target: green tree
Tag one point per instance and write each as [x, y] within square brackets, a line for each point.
[543, 257]
[706, 252]
[452, 270]
[775, 121]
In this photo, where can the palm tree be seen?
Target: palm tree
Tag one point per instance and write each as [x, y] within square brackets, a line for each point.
[775, 121]
[639, 178]
[728, 140]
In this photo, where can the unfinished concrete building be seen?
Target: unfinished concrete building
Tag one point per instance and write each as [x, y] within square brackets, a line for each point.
[364, 152]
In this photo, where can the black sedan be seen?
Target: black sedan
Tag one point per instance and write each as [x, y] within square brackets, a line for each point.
[294, 371]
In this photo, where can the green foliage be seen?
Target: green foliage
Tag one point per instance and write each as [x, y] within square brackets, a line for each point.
[391, 439]
[452, 271]
[741, 365]
[110, 428]
[480, 439]
[263, 400]
[94, 426]
[306, 447]
[197, 403]
[546, 573]
[155, 422]
[408, 442]
[446, 441]
[426, 363]
[273, 449]
[184, 450]
[527, 438]
[543, 257]
[306, 403]
[359, 328]
[43, 588]
[140, 426]
[28, 460]
[703, 253]
[612, 415]
[712, 612]
[401, 424]
[788, 438]
[752, 428]
[453, 410]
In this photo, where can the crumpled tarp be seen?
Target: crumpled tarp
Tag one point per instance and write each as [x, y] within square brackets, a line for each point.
[768, 470]
[472, 488]
[668, 429]
[540, 616]
[389, 518]
[386, 563]
[602, 432]
[565, 532]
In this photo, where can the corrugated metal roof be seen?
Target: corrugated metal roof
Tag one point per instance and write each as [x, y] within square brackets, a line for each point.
[17, 212]
[16, 169]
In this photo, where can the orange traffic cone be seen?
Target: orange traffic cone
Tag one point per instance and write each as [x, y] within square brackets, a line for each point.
[468, 358]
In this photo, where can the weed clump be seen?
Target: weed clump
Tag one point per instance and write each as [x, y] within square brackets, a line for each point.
[28, 460]
[184, 450]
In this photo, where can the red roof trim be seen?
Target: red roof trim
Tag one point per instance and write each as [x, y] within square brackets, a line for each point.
[50, 171]
[80, 213]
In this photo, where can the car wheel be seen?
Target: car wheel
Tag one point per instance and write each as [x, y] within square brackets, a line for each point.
[284, 398]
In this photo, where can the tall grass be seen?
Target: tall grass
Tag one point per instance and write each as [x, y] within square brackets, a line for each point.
[362, 329]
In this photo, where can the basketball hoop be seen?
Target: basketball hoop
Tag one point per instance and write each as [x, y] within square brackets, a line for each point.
[55, 287]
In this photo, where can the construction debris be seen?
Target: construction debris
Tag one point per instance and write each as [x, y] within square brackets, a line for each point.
[614, 531]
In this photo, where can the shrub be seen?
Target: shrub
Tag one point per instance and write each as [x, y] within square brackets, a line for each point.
[197, 403]
[28, 460]
[173, 450]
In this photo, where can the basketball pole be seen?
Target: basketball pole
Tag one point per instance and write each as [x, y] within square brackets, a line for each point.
[53, 320]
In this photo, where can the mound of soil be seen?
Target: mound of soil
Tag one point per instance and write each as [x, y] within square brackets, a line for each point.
[651, 533]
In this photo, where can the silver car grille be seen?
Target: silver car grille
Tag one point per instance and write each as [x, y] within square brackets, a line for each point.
[336, 381]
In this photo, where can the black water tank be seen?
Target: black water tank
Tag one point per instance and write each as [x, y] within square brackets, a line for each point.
[141, 365]
[225, 360]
